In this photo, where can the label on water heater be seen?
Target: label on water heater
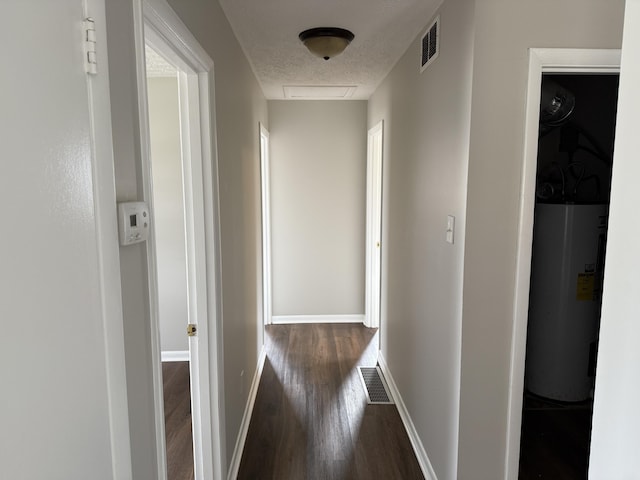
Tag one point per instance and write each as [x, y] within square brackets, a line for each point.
[585, 286]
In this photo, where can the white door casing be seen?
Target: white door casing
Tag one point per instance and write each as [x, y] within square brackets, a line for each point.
[541, 60]
[373, 247]
[159, 26]
[266, 227]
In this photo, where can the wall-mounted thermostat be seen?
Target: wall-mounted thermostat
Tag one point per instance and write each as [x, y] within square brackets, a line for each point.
[133, 220]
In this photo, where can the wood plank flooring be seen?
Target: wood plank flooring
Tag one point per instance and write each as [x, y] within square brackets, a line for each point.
[177, 419]
[311, 420]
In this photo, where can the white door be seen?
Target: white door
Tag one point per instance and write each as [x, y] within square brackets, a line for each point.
[56, 318]
[374, 226]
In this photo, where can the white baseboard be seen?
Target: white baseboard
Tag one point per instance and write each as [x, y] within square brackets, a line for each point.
[246, 419]
[288, 319]
[175, 356]
[418, 448]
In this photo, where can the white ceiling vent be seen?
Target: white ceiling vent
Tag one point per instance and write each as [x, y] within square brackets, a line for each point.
[430, 44]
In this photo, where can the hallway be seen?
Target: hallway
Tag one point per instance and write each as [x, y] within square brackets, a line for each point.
[311, 419]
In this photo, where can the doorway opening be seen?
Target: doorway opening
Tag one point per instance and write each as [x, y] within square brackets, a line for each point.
[192, 181]
[573, 184]
[373, 236]
[171, 260]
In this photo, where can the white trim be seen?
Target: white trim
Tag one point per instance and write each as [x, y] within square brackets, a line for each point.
[579, 60]
[265, 183]
[246, 418]
[175, 356]
[104, 194]
[166, 23]
[193, 181]
[157, 24]
[290, 319]
[541, 60]
[373, 234]
[213, 245]
[145, 155]
[421, 454]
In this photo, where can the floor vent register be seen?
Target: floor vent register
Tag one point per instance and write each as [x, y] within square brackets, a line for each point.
[375, 386]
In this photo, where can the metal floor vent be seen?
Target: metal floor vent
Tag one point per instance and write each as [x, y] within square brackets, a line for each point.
[374, 386]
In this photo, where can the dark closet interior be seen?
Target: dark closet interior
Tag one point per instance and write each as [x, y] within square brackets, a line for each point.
[575, 156]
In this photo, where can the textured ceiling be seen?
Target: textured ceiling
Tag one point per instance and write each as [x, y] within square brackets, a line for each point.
[156, 65]
[268, 32]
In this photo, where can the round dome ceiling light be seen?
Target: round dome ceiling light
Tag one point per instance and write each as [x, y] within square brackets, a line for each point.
[326, 42]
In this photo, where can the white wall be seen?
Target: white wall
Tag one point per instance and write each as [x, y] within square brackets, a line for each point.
[240, 105]
[133, 269]
[504, 30]
[426, 143]
[56, 399]
[168, 215]
[318, 188]
[615, 438]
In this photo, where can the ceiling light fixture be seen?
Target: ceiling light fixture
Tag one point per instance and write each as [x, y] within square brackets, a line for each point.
[326, 42]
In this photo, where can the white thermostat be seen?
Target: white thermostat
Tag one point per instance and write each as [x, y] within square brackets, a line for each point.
[133, 220]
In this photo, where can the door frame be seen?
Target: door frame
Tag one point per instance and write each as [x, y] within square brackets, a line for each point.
[265, 176]
[157, 24]
[373, 236]
[541, 60]
[108, 250]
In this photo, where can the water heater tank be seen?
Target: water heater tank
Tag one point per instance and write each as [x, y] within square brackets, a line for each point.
[565, 300]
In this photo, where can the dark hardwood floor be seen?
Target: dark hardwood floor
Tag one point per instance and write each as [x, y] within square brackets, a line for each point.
[555, 440]
[311, 420]
[177, 419]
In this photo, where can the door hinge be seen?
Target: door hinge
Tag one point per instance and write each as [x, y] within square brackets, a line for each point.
[90, 60]
[191, 330]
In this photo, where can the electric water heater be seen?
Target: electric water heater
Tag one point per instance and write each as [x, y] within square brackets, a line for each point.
[565, 300]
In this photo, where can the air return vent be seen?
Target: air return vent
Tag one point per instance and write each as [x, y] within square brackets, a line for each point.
[430, 44]
[319, 92]
[374, 385]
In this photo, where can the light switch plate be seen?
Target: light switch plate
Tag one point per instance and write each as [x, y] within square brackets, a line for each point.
[451, 226]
